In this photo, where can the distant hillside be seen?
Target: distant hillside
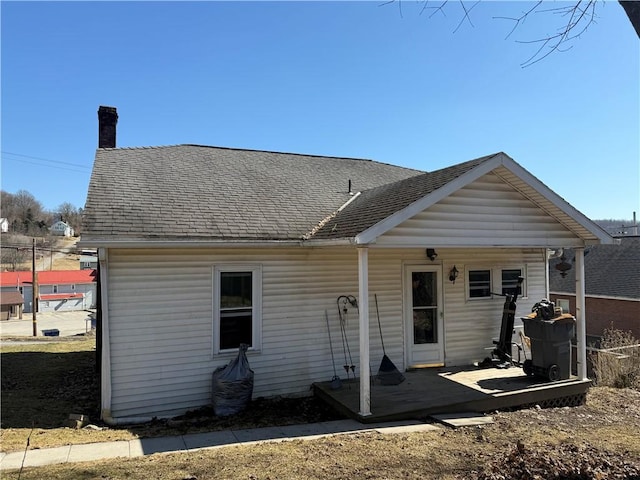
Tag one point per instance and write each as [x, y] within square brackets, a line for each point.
[618, 227]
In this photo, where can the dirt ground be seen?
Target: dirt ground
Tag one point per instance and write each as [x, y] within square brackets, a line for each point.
[600, 439]
[595, 441]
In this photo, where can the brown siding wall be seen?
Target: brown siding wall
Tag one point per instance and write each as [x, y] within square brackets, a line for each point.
[602, 313]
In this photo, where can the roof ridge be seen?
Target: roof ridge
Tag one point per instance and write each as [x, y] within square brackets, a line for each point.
[478, 161]
[237, 149]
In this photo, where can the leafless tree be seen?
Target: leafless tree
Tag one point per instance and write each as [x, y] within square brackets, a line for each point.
[15, 250]
[575, 18]
[24, 213]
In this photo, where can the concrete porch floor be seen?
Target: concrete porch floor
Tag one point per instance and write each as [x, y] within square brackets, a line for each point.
[452, 390]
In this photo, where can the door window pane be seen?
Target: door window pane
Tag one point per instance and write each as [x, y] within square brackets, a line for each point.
[425, 326]
[425, 307]
[424, 289]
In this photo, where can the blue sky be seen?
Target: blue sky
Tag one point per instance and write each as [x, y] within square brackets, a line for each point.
[356, 79]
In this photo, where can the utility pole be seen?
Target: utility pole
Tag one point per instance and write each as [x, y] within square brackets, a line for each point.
[34, 292]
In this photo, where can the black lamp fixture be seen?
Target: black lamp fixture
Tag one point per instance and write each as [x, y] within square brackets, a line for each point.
[563, 266]
[453, 274]
[431, 254]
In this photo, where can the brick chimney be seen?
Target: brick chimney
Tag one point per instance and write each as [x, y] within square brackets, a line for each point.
[107, 120]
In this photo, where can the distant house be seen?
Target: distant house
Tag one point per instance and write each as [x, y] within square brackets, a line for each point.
[258, 248]
[612, 274]
[4, 225]
[58, 290]
[61, 228]
[11, 305]
[88, 260]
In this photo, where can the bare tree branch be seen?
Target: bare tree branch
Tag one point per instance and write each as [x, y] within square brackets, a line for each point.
[520, 19]
[435, 9]
[579, 16]
[466, 14]
[383, 4]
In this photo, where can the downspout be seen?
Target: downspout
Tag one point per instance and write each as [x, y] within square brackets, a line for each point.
[581, 330]
[113, 422]
[363, 293]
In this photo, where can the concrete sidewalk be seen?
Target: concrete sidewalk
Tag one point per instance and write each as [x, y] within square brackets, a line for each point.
[197, 441]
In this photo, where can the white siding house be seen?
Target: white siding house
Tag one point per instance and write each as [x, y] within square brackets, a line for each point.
[254, 247]
[61, 228]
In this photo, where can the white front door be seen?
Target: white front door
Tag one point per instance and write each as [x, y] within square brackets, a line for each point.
[423, 315]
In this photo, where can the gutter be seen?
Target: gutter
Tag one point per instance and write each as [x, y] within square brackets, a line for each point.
[147, 243]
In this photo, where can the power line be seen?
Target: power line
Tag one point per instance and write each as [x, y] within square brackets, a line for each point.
[44, 249]
[76, 165]
[44, 165]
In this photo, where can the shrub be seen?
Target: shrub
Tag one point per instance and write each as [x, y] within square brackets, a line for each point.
[617, 362]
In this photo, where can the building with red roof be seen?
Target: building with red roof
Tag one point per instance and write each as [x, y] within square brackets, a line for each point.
[58, 290]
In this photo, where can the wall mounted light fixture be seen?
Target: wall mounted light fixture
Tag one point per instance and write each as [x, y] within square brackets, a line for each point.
[453, 274]
[431, 254]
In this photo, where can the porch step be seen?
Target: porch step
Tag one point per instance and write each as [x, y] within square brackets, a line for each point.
[463, 419]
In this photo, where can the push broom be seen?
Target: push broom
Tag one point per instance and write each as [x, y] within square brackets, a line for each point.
[388, 374]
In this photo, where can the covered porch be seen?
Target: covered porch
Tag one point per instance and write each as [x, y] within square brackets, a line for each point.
[434, 391]
[497, 208]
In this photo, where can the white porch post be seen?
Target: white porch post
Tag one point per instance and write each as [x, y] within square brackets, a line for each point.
[581, 331]
[363, 294]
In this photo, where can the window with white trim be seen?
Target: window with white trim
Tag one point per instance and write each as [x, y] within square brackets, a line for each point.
[481, 282]
[237, 307]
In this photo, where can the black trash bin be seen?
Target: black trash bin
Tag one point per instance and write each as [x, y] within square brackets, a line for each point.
[550, 346]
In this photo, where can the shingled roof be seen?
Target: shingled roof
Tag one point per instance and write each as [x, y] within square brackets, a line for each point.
[610, 270]
[187, 192]
[378, 203]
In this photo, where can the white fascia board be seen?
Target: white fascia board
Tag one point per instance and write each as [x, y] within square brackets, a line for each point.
[559, 202]
[372, 233]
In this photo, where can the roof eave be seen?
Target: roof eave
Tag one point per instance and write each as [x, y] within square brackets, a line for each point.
[600, 236]
[372, 233]
[209, 243]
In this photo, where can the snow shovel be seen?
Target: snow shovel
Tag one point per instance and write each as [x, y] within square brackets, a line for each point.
[388, 374]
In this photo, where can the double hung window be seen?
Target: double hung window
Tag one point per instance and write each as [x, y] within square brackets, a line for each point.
[237, 307]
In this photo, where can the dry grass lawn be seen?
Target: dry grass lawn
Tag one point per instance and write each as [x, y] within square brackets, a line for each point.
[594, 439]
